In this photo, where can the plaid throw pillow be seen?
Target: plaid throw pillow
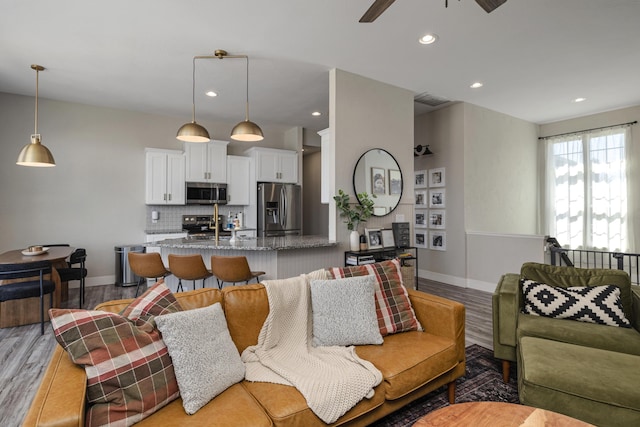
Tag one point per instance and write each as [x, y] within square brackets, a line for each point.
[129, 371]
[393, 307]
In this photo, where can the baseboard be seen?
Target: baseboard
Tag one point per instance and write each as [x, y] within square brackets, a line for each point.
[457, 281]
[443, 278]
[94, 281]
[481, 286]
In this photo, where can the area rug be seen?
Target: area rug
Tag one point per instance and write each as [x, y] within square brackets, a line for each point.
[481, 382]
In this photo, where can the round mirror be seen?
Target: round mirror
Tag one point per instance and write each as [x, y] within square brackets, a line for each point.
[377, 172]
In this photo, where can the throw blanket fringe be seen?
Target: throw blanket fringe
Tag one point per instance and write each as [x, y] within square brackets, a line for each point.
[331, 379]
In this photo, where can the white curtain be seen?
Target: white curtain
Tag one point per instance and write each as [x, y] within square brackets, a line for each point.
[587, 191]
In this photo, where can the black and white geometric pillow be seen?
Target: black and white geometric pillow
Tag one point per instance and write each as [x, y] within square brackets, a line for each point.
[591, 304]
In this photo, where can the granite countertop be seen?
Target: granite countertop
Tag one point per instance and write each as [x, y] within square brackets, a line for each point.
[249, 244]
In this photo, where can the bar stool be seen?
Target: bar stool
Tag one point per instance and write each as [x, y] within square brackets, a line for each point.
[233, 269]
[188, 267]
[147, 266]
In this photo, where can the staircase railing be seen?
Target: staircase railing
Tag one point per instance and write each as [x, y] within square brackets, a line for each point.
[583, 258]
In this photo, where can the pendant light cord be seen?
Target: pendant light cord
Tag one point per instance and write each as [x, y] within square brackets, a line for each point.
[36, 113]
[193, 92]
[247, 105]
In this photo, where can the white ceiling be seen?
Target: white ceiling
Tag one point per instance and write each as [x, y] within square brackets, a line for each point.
[533, 56]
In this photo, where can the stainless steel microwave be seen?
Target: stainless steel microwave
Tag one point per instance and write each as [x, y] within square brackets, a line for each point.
[206, 193]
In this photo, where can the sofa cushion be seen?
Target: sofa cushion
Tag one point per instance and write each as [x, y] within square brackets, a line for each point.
[623, 340]
[590, 304]
[393, 307]
[594, 385]
[233, 407]
[205, 360]
[410, 360]
[344, 312]
[287, 407]
[570, 277]
[129, 370]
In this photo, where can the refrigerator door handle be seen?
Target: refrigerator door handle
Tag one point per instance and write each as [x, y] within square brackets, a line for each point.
[283, 204]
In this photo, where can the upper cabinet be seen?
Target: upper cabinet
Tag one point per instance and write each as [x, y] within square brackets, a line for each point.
[273, 165]
[206, 162]
[238, 187]
[164, 177]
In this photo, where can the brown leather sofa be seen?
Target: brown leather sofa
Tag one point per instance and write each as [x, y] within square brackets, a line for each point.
[412, 363]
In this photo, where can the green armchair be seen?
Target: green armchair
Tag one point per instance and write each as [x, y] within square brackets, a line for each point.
[509, 323]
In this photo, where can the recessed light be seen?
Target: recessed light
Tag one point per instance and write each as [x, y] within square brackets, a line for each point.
[428, 39]
[316, 113]
[579, 99]
[476, 85]
[211, 93]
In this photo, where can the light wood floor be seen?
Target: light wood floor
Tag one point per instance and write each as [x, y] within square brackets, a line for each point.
[24, 353]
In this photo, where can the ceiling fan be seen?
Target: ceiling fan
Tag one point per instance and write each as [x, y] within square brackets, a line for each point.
[380, 6]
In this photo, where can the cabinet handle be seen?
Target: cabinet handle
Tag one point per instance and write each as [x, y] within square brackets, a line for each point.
[169, 196]
[165, 196]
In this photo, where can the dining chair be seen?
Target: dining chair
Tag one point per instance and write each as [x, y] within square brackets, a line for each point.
[188, 267]
[35, 286]
[147, 265]
[79, 256]
[233, 269]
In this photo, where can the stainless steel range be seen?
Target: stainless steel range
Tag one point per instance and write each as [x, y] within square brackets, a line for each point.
[203, 226]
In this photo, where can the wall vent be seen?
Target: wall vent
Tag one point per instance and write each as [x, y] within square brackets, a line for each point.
[431, 100]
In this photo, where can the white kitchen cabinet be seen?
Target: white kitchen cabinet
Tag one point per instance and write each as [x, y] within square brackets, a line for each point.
[206, 162]
[273, 165]
[238, 180]
[164, 177]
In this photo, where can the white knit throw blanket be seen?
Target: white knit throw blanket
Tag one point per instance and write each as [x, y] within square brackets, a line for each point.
[331, 379]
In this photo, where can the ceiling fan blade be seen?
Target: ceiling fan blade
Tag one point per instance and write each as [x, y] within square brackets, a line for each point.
[490, 5]
[376, 10]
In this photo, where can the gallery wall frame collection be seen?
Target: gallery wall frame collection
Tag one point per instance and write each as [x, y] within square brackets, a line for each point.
[430, 209]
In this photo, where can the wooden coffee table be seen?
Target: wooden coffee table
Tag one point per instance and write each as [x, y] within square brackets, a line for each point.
[496, 414]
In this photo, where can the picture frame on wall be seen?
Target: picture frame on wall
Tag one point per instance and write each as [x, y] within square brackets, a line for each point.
[437, 219]
[388, 241]
[420, 179]
[374, 237]
[438, 240]
[420, 219]
[421, 239]
[378, 181]
[421, 198]
[395, 181]
[437, 198]
[436, 177]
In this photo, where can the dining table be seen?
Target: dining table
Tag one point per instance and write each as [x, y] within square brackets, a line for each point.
[26, 311]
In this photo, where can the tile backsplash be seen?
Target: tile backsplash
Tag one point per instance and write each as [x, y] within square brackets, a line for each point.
[170, 217]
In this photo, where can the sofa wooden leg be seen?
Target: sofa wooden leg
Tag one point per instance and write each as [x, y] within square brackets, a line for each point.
[451, 389]
[506, 365]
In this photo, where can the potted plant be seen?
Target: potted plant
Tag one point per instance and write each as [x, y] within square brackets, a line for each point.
[354, 215]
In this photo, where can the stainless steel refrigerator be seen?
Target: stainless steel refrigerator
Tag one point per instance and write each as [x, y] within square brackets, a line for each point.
[279, 209]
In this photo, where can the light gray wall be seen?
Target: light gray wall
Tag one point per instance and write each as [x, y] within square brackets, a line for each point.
[443, 130]
[316, 214]
[491, 176]
[94, 197]
[369, 114]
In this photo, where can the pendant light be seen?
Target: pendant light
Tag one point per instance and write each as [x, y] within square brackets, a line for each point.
[34, 153]
[193, 132]
[247, 130]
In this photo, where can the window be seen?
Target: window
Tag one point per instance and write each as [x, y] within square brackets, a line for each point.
[587, 190]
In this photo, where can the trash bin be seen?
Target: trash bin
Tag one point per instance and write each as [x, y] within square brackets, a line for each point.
[124, 275]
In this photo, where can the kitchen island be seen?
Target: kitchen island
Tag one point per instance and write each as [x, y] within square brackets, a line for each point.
[278, 257]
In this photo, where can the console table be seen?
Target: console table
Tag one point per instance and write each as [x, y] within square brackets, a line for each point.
[408, 259]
